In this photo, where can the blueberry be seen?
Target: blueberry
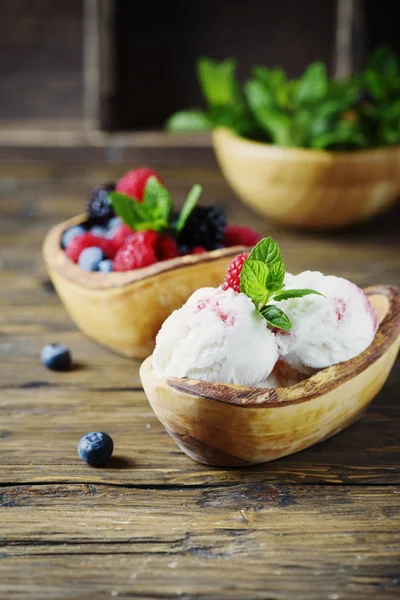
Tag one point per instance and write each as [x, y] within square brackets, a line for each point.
[106, 266]
[99, 230]
[56, 357]
[113, 224]
[90, 258]
[70, 234]
[95, 448]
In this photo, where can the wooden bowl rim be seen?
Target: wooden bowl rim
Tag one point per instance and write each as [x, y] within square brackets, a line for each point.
[224, 135]
[57, 260]
[315, 386]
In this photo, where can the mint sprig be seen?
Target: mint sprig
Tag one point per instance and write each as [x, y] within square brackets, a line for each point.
[262, 280]
[188, 206]
[155, 212]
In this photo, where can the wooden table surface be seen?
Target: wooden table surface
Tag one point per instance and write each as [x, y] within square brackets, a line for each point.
[322, 524]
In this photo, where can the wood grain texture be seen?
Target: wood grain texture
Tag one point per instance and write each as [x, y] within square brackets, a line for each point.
[153, 524]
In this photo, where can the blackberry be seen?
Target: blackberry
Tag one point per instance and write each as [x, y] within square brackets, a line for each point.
[99, 208]
[204, 227]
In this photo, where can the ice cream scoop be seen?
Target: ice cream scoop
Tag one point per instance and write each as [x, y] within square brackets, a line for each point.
[216, 336]
[327, 329]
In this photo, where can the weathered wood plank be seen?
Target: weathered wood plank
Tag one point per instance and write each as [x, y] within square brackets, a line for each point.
[240, 541]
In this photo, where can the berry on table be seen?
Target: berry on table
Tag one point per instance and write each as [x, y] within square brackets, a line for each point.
[204, 227]
[238, 235]
[90, 258]
[232, 277]
[134, 182]
[105, 266]
[70, 234]
[134, 254]
[56, 357]
[88, 240]
[96, 448]
[99, 207]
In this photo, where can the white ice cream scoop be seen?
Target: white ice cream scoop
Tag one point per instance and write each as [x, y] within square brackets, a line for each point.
[328, 329]
[216, 336]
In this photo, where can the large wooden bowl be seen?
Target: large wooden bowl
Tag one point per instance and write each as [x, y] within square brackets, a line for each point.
[306, 188]
[230, 425]
[124, 311]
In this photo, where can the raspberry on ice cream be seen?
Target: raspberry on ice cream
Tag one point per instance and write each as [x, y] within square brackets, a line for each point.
[232, 277]
[216, 336]
[325, 330]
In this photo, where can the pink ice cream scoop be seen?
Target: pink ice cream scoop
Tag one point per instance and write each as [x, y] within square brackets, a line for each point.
[325, 330]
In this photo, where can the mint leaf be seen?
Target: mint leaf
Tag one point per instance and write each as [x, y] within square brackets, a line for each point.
[218, 82]
[131, 212]
[276, 317]
[157, 202]
[188, 206]
[287, 294]
[312, 85]
[189, 121]
[276, 277]
[267, 251]
[252, 280]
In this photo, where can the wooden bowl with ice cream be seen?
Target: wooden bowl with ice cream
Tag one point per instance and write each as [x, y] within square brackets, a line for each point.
[124, 311]
[230, 425]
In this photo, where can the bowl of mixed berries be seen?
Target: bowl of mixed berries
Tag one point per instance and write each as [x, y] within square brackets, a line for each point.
[124, 265]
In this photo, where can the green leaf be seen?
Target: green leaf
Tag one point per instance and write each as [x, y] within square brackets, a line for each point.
[131, 212]
[275, 122]
[276, 317]
[275, 277]
[252, 280]
[189, 121]
[347, 135]
[157, 201]
[188, 206]
[218, 82]
[312, 85]
[267, 251]
[287, 294]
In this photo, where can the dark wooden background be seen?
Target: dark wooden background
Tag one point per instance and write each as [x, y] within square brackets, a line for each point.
[49, 53]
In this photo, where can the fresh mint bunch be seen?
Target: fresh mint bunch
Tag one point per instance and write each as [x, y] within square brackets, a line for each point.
[312, 111]
[155, 212]
[262, 280]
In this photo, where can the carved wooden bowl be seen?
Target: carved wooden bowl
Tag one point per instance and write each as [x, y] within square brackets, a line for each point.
[313, 189]
[124, 311]
[229, 425]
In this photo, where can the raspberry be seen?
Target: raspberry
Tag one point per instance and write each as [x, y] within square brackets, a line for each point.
[167, 247]
[236, 235]
[99, 208]
[121, 235]
[134, 254]
[133, 182]
[232, 277]
[88, 240]
[198, 250]
[148, 238]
